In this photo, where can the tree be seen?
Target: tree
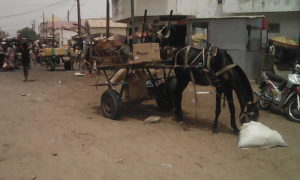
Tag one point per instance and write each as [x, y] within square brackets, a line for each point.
[3, 34]
[28, 33]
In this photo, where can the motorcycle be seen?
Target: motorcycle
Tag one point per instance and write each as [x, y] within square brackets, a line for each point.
[277, 92]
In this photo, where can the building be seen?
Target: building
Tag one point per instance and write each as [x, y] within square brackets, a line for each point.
[193, 16]
[63, 30]
[283, 16]
[97, 27]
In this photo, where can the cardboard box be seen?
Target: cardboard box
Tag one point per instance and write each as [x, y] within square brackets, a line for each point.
[146, 52]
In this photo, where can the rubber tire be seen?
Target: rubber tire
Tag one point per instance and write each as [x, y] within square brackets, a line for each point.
[50, 66]
[163, 97]
[288, 109]
[260, 106]
[111, 104]
[56, 59]
[67, 65]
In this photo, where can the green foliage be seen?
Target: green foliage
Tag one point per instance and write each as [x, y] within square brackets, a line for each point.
[3, 34]
[28, 33]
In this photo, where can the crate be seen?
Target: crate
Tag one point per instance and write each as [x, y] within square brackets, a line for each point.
[146, 52]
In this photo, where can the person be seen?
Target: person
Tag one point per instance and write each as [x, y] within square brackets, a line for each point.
[10, 57]
[269, 58]
[2, 57]
[25, 60]
[271, 48]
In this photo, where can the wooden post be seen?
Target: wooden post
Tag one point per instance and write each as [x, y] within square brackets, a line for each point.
[107, 19]
[144, 24]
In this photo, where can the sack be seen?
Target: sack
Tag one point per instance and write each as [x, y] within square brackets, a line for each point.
[255, 134]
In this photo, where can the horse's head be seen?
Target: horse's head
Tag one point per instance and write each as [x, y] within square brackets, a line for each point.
[250, 113]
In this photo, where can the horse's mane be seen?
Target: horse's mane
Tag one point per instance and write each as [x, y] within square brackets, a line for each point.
[242, 79]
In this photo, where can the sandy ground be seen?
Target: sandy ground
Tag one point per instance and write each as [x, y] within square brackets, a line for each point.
[56, 131]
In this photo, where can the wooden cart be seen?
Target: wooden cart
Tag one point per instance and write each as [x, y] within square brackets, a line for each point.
[137, 80]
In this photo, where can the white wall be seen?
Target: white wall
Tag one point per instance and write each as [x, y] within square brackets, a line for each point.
[195, 8]
[201, 8]
[289, 24]
[113, 30]
[62, 36]
[242, 6]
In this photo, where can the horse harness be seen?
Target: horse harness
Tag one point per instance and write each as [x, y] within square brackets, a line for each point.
[205, 62]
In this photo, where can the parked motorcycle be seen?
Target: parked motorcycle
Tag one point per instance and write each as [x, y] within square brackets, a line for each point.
[275, 91]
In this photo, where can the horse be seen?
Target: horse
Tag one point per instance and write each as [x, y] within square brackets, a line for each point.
[214, 66]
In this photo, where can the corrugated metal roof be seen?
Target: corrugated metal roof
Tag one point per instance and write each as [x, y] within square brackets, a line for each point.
[102, 23]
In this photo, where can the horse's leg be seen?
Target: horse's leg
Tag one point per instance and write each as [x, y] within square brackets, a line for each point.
[217, 111]
[232, 111]
[177, 94]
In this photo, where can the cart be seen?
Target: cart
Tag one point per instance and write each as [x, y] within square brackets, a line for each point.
[147, 77]
[53, 56]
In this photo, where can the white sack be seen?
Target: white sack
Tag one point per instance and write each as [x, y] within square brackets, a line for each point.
[255, 134]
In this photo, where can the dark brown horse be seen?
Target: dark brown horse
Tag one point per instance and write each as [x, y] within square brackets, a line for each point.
[213, 66]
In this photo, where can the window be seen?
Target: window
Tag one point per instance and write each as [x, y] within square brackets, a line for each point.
[274, 28]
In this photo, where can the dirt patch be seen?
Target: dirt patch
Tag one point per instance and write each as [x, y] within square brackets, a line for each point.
[57, 132]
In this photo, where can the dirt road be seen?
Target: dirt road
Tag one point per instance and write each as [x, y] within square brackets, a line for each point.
[51, 128]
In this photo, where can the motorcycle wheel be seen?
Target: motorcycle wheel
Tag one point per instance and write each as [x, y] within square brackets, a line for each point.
[292, 111]
[263, 102]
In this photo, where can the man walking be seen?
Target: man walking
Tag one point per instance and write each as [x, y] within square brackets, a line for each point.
[25, 60]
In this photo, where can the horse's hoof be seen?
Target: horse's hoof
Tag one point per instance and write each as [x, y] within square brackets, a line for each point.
[184, 126]
[236, 131]
[216, 130]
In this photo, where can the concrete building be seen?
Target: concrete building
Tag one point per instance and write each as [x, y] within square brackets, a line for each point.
[283, 15]
[63, 30]
[212, 17]
[97, 27]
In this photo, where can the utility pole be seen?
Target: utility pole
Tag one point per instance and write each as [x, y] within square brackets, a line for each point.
[79, 41]
[107, 19]
[68, 16]
[53, 30]
[132, 21]
[43, 26]
[46, 29]
[79, 18]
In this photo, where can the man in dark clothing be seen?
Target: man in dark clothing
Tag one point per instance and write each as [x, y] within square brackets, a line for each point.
[25, 60]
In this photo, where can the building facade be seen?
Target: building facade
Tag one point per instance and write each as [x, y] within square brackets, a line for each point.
[61, 31]
[207, 16]
[97, 27]
[283, 15]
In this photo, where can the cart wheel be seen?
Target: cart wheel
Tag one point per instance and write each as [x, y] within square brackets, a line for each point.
[111, 104]
[163, 97]
[50, 66]
[67, 65]
[56, 59]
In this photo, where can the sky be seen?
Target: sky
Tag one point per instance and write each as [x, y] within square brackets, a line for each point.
[17, 14]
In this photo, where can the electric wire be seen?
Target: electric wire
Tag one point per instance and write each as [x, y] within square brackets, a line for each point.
[34, 10]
